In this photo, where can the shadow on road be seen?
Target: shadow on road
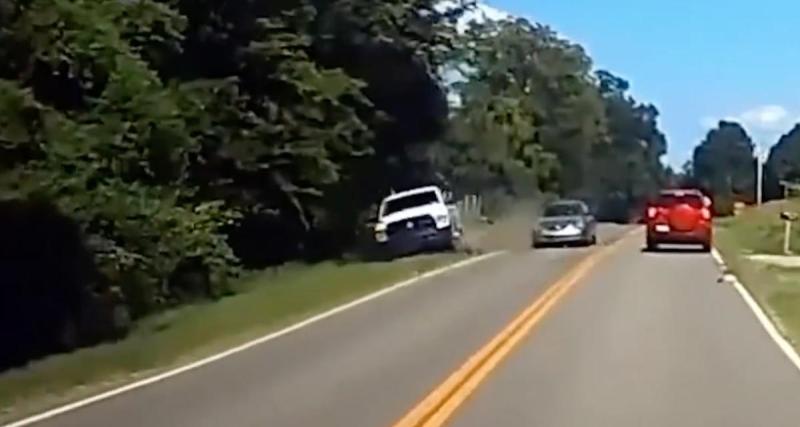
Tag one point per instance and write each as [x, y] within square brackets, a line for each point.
[557, 249]
[674, 250]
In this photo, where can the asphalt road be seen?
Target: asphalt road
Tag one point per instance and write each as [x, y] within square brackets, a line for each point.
[648, 339]
[651, 339]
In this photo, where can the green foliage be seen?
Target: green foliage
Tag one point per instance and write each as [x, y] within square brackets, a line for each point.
[783, 163]
[160, 126]
[182, 136]
[532, 118]
[528, 103]
[723, 163]
[724, 205]
[628, 169]
[114, 151]
[281, 126]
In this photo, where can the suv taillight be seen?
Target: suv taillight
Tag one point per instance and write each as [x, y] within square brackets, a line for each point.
[652, 212]
[705, 213]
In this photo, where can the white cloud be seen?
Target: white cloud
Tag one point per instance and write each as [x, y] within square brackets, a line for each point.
[766, 117]
[486, 12]
[480, 13]
[765, 123]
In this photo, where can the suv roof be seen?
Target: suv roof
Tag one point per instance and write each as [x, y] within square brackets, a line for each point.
[673, 197]
[681, 192]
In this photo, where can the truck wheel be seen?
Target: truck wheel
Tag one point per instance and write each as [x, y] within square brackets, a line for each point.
[450, 246]
[381, 254]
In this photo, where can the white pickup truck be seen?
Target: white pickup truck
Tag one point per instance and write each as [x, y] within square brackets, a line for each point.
[417, 220]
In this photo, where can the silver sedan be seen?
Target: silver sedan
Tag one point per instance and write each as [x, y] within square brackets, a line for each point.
[565, 222]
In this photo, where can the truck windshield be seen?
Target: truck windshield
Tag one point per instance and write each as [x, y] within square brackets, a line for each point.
[411, 201]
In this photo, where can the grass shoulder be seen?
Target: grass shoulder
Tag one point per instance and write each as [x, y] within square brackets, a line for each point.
[759, 231]
[265, 301]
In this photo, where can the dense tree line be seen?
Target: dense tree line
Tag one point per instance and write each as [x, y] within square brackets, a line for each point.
[724, 165]
[783, 163]
[152, 149]
[533, 117]
[628, 170]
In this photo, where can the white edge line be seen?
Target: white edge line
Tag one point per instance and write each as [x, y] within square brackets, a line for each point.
[248, 345]
[762, 317]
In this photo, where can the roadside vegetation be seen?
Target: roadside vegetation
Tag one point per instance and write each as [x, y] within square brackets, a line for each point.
[759, 231]
[155, 152]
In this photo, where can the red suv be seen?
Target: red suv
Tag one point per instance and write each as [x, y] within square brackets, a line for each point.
[679, 217]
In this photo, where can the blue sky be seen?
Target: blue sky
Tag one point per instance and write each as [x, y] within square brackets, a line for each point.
[698, 60]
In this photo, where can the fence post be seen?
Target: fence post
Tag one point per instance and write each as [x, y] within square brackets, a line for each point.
[787, 236]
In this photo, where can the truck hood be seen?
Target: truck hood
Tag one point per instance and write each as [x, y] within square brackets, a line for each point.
[433, 210]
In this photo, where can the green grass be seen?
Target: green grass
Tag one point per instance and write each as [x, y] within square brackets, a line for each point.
[266, 302]
[776, 289]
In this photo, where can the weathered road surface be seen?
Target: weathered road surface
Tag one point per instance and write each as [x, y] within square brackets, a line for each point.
[650, 339]
[363, 367]
[646, 339]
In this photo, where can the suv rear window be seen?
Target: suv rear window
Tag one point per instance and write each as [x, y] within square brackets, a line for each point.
[412, 201]
[670, 200]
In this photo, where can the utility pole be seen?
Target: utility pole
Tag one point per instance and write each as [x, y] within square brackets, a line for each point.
[759, 175]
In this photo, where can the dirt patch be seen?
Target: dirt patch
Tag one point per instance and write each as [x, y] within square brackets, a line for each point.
[785, 261]
[510, 232]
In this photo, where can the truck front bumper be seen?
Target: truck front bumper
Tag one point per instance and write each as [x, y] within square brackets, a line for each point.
[411, 241]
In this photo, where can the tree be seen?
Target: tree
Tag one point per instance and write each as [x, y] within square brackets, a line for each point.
[628, 169]
[528, 106]
[92, 128]
[185, 139]
[396, 49]
[170, 130]
[783, 163]
[723, 163]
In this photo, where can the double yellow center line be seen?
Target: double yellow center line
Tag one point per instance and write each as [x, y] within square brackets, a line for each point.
[438, 407]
